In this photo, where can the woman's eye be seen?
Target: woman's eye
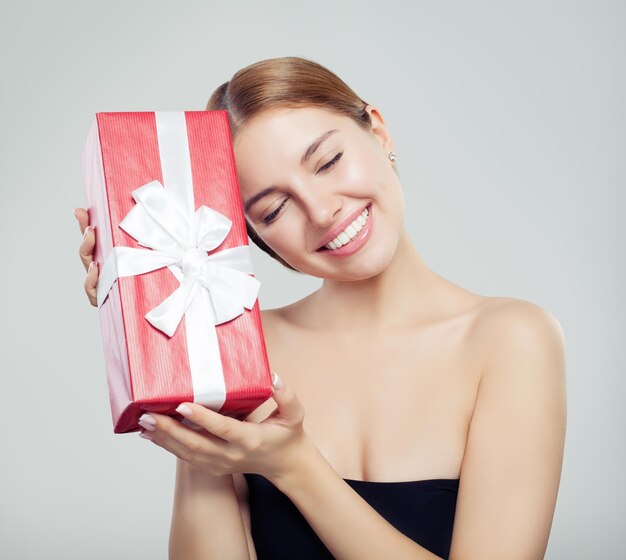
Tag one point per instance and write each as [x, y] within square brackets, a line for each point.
[270, 217]
[274, 213]
[331, 162]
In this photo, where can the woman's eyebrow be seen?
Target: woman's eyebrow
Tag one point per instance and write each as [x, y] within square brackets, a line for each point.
[316, 143]
[309, 152]
[255, 198]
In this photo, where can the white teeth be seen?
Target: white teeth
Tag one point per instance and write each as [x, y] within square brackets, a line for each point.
[343, 237]
[350, 232]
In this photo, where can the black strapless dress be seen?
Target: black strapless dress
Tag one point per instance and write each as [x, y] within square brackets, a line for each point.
[423, 510]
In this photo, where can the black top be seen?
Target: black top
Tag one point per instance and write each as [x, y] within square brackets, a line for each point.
[423, 510]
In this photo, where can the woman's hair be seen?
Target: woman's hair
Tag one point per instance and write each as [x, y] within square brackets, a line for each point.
[289, 82]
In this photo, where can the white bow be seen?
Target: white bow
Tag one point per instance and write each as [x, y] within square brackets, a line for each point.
[181, 243]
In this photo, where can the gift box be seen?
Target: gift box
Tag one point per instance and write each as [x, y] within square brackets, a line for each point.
[176, 292]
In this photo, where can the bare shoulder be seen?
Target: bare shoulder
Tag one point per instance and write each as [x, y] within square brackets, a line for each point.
[514, 312]
[506, 326]
[514, 453]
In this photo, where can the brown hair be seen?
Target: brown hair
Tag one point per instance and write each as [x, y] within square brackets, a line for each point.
[290, 82]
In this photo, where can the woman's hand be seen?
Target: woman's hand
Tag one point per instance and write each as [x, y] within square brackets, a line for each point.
[86, 253]
[225, 445]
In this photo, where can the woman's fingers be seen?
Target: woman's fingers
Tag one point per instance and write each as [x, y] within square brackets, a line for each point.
[82, 217]
[225, 427]
[225, 445]
[91, 282]
[184, 442]
[85, 250]
[290, 409]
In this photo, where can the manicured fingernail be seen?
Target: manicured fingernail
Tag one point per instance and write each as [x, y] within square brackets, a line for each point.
[76, 212]
[184, 410]
[90, 266]
[148, 422]
[145, 435]
[277, 382]
[86, 231]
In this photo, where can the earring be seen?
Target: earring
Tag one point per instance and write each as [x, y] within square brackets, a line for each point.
[392, 156]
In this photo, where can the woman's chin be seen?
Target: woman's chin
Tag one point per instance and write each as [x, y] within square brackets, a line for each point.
[370, 265]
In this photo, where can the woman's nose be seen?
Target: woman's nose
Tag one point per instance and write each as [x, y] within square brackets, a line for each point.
[323, 210]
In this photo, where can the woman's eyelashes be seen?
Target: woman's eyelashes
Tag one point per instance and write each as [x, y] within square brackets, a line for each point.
[274, 213]
[270, 217]
[330, 163]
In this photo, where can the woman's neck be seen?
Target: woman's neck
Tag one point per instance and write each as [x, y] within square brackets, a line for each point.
[406, 289]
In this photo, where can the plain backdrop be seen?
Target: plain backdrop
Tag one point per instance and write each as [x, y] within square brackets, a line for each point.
[509, 122]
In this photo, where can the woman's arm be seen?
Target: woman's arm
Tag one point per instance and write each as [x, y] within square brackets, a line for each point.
[513, 459]
[241, 489]
[206, 518]
[511, 468]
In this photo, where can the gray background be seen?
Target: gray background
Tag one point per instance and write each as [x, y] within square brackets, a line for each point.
[509, 122]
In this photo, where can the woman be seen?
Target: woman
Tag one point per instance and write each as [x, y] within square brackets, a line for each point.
[435, 417]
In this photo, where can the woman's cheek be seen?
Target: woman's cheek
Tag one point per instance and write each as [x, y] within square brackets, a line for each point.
[354, 176]
[282, 238]
[359, 179]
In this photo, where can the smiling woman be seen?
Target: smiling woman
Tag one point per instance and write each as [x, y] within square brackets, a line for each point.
[289, 83]
[435, 417]
[301, 195]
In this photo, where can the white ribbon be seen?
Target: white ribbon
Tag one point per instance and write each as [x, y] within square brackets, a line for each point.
[155, 222]
[213, 288]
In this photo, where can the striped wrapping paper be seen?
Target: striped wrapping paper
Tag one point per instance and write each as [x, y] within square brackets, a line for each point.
[223, 366]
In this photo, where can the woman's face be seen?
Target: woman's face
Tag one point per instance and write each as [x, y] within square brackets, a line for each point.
[297, 203]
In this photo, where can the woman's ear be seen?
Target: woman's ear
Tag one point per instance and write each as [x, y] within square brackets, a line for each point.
[379, 130]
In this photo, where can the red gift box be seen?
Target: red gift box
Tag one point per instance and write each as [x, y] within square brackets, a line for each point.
[177, 297]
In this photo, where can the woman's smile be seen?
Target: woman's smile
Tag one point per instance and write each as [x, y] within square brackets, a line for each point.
[351, 238]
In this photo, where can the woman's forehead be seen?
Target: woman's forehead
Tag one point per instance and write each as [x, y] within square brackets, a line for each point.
[283, 136]
[298, 123]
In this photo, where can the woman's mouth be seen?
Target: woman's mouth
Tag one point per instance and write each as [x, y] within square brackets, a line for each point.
[353, 237]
